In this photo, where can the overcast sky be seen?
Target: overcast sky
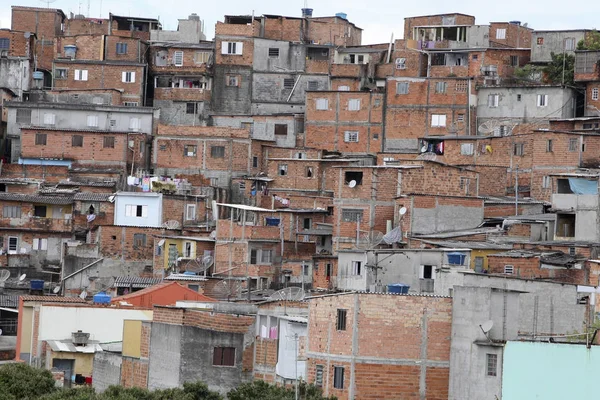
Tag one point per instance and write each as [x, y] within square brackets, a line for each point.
[378, 18]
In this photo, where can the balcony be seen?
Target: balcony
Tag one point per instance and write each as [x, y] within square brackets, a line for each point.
[37, 224]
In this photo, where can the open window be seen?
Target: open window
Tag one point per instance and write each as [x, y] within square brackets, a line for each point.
[565, 225]
[356, 176]
[577, 186]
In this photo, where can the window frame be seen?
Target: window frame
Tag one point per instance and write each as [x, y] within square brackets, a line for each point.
[341, 319]
[354, 104]
[41, 139]
[139, 240]
[232, 80]
[76, 140]
[121, 48]
[573, 144]
[11, 211]
[273, 52]
[441, 87]
[222, 356]
[278, 129]
[217, 151]
[436, 120]
[190, 150]
[509, 269]
[191, 213]
[501, 34]
[491, 364]
[351, 136]
[595, 93]
[352, 215]
[108, 142]
[338, 377]
[542, 100]
[322, 104]
[59, 75]
[178, 58]
[402, 88]
[467, 149]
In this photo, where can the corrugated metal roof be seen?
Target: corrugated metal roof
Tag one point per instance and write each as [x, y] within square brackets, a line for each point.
[28, 198]
[53, 299]
[7, 301]
[92, 183]
[135, 281]
[92, 196]
[69, 347]
[184, 277]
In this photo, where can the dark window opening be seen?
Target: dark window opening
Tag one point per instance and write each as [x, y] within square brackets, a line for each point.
[427, 271]
[338, 377]
[77, 141]
[254, 162]
[139, 240]
[40, 139]
[341, 320]
[39, 211]
[281, 129]
[565, 225]
[224, 356]
[109, 142]
[356, 176]
[139, 211]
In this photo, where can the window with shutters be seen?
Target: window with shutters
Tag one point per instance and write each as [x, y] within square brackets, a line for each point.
[178, 58]
[402, 88]
[319, 375]
[273, 52]
[92, 121]
[232, 48]
[81, 75]
[217, 151]
[440, 87]
[501, 34]
[349, 215]
[338, 377]
[40, 244]
[232, 80]
[11, 212]
[288, 83]
[128, 77]
[281, 129]
[190, 150]
[49, 119]
[77, 141]
[466, 149]
[313, 85]
[23, 116]
[13, 244]
[322, 104]
[351, 136]
[493, 100]
[61, 73]
[573, 144]
[341, 319]
[190, 212]
[356, 267]
[134, 210]
[201, 57]
[224, 356]
[139, 240]
[353, 104]
[438, 120]
[542, 100]
[108, 142]
[40, 139]
[121, 48]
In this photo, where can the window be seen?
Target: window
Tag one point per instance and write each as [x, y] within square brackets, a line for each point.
[13, 243]
[356, 267]
[283, 169]
[217, 151]
[253, 256]
[341, 319]
[402, 88]
[128, 77]
[309, 172]
[130, 103]
[400, 63]
[40, 244]
[540, 41]
[595, 94]
[81, 75]
[61, 73]
[465, 183]
[232, 80]
[572, 251]
[266, 256]
[4, 43]
[273, 52]
[121, 48]
[501, 34]
[353, 104]
[352, 215]
[549, 146]
[76, 141]
[109, 142]
[224, 356]
[466, 149]
[440, 87]
[546, 182]
[190, 150]
[178, 58]
[572, 144]
[112, 123]
[319, 375]
[542, 100]
[49, 119]
[254, 162]
[281, 129]
[570, 44]
[509, 269]
[492, 364]
[191, 108]
[338, 377]
[518, 149]
[300, 155]
[190, 212]
[288, 83]
[232, 48]
[519, 97]
[460, 118]
[40, 211]
[135, 124]
[322, 104]
[313, 85]
[493, 100]
[438, 120]
[133, 210]
[139, 240]
[11, 212]
[40, 139]
[427, 272]
[92, 121]
[23, 116]
[461, 86]
[356, 176]
[343, 88]
[187, 249]
[351, 136]
[376, 136]
[201, 57]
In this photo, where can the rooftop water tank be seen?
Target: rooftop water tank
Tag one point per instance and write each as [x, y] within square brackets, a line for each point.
[36, 284]
[400, 288]
[456, 258]
[307, 12]
[70, 51]
[80, 338]
[101, 298]
[342, 15]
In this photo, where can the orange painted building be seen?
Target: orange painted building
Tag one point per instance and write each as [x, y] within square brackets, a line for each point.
[163, 294]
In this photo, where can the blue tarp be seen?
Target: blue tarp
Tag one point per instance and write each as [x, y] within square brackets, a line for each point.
[583, 186]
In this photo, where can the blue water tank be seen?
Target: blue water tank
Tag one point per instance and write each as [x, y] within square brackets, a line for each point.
[307, 12]
[456, 258]
[101, 298]
[38, 75]
[400, 288]
[271, 221]
[37, 284]
[342, 15]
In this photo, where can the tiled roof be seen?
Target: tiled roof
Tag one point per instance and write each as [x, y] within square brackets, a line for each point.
[54, 299]
[7, 301]
[28, 198]
[135, 281]
[92, 196]
[185, 277]
[154, 288]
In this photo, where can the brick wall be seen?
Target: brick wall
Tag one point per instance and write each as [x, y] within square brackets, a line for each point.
[333, 30]
[244, 59]
[238, 29]
[117, 242]
[44, 22]
[282, 28]
[89, 47]
[136, 49]
[134, 373]
[190, 66]
[515, 35]
[434, 20]
[19, 46]
[529, 267]
[86, 26]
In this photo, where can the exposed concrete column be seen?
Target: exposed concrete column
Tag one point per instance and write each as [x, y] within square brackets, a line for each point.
[352, 388]
[423, 373]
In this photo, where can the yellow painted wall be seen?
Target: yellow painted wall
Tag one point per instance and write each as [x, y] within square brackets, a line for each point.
[180, 248]
[84, 362]
[483, 253]
[132, 338]
[26, 329]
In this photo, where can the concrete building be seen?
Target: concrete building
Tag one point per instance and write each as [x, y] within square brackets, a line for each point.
[190, 30]
[544, 43]
[138, 209]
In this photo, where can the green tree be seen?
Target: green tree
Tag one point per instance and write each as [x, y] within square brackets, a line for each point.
[561, 70]
[529, 73]
[590, 42]
[24, 382]
[260, 390]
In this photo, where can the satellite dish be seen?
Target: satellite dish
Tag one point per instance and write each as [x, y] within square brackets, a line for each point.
[22, 277]
[487, 326]
[424, 149]
[403, 211]
[291, 294]
[56, 290]
[213, 234]
[4, 275]
[352, 183]
[0, 332]
[161, 242]
[83, 295]
[27, 35]
[207, 261]
[111, 198]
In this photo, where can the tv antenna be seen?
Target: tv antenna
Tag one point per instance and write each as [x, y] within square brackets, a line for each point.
[290, 294]
[199, 265]
[228, 288]
[369, 240]
[48, 2]
[4, 275]
[486, 327]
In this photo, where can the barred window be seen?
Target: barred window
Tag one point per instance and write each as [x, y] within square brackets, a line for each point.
[352, 215]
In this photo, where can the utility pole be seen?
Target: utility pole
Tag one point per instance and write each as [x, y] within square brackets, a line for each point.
[517, 190]
[296, 384]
